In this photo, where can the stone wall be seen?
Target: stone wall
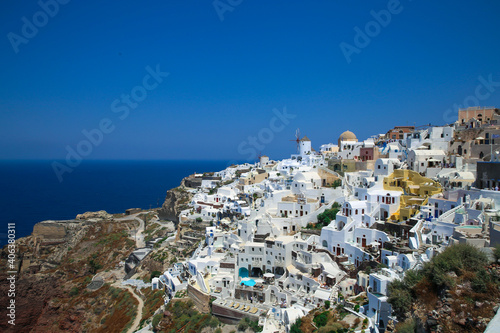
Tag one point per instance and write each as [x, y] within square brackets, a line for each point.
[50, 231]
[200, 299]
[221, 311]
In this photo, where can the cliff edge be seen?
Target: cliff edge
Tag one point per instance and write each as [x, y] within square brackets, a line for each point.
[175, 201]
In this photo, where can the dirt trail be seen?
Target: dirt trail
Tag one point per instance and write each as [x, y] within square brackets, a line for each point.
[140, 307]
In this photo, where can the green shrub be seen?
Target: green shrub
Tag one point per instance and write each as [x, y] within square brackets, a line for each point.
[242, 325]
[156, 319]
[295, 328]
[480, 282]
[327, 216]
[155, 274]
[94, 266]
[496, 252]
[74, 291]
[247, 323]
[321, 319]
[457, 259]
[335, 327]
[327, 304]
[214, 322]
[408, 326]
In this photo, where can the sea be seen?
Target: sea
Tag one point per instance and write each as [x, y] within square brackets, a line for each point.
[30, 191]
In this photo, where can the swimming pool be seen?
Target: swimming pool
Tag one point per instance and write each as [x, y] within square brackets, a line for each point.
[248, 282]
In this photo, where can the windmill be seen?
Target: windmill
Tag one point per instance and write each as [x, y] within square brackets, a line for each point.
[259, 156]
[297, 139]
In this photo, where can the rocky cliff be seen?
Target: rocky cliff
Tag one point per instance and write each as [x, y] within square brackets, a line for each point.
[175, 201]
[55, 266]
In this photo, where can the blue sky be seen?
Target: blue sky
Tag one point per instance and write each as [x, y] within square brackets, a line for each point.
[226, 76]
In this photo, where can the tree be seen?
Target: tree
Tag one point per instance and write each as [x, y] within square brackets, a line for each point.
[94, 266]
[327, 304]
[242, 325]
[295, 328]
[156, 319]
[327, 216]
[155, 274]
[321, 319]
[457, 259]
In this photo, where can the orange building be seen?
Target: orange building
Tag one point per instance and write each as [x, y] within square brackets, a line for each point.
[398, 132]
[482, 114]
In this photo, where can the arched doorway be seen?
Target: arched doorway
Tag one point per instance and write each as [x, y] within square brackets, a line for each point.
[279, 271]
[243, 272]
[384, 214]
[256, 272]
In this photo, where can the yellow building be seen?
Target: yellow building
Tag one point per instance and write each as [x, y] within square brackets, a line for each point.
[416, 192]
[254, 177]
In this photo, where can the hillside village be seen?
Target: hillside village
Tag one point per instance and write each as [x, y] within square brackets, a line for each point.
[340, 223]
[399, 230]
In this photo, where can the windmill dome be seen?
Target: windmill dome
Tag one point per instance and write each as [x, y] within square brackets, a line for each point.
[347, 136]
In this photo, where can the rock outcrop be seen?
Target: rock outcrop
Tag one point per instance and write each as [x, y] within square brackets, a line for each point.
[57, 263]
[175, 201]
[102, 214]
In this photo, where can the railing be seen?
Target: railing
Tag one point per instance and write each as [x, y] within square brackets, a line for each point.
[448, 213]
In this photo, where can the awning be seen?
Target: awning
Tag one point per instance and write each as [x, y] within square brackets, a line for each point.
[322, 294]
[292, 270]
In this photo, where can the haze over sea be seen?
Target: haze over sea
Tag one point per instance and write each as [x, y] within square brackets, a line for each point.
[31, 193]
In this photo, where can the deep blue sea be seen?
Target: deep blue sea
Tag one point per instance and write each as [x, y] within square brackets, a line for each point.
[30, 191]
